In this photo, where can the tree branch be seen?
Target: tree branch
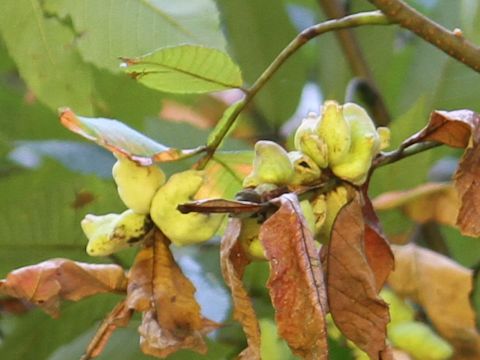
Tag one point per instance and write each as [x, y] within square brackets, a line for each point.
[451, 42]
[360, 19]
[359, 66]
[402, 152]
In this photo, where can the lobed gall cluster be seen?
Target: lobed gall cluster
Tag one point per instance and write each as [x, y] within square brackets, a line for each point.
[343, 139]
[150, 200]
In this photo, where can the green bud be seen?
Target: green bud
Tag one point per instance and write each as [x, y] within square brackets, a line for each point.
[305, 169]
[308, 214]
[334, 201]
[384, 134]
[137, 184]
[271, 165]
[182, 229]
[334, 130]
[365, 144]
[309, 142]
[110, 233]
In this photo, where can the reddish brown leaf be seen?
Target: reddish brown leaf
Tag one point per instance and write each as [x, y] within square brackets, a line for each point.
[452, 128]
[220, 206]
[442, 288]
[46, 283]
[233, 261]
[437, 202]
[296, 284]
[459, 129]
[158, 288]
[119, 317]
[377, 249]
[467, 185]
[356, 308]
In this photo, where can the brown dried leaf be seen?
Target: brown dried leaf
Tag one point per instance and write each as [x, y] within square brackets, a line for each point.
[356, 308]
[48, 282]
[234, 260]
[459, 129]
[158, 288]
[377, 248]
[119, 317]
[437, 202]
[452, 128]
[296, 284]
[442, 288]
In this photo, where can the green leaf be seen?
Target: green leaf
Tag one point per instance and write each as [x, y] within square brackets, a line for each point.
[119, 138]
[132, 28]
[41, 214]
[43, 49]
[36, 336]
[225, 173]
[185, 69]
[257, 32]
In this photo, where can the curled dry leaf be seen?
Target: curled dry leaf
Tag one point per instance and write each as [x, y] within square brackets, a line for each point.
[377, 248]
[459, 128]
[48, 282]
[119, 317]
[233, 261]
[442, 288]
[436, 202]
[296, 283]
[357, 310]
[158, 288]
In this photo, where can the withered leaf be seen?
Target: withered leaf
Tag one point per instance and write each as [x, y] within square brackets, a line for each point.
[296, 283]
[119, 317]
[158, 288]
[436, 202]
[220, 206]
[356, 308]
[442, 288]
[233, 262]
[377, 249]
[48, 282]
[459, 129]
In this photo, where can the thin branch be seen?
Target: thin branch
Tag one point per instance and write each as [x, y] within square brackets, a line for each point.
[359, 66]
[451, 42]
[360, 19]
[402, 152]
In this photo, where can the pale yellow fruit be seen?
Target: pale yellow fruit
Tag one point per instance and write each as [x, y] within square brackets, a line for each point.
[137, 184]
[384, 134]
[305, 169]
[182, 229]
[334, 201]
[271, 165]
[110, 233]
[309, 142]
[334, 130]
[308, 214]
[365, 144]
[249, 239]
[319, 210]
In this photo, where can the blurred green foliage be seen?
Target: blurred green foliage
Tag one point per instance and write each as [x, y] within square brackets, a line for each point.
[64, 53]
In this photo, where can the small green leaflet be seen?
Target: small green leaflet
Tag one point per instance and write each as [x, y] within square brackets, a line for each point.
[121, 139]
[185, 69]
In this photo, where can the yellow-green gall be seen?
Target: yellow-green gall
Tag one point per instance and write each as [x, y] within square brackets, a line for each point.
[271, 165]
[182, 229]
[137, 184]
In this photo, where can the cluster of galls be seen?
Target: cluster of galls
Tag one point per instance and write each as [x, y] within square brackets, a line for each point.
[342, 139]
[151, 201]
[341, 142]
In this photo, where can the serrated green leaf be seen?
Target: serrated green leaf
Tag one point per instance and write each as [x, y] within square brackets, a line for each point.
[43, 50]
[117, 137]
[134, 27]
[185, 69]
